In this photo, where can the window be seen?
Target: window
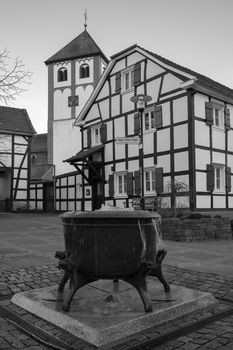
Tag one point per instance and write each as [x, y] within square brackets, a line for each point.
[149, 180]
[62, 74]
[95, 135]
[121, 184]
[84, 71]
[219, 178]
[149, 120]
[218, 117]
[127, 79]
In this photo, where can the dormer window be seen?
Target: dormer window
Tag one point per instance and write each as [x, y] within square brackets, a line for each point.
[62, 74]
[84, 71]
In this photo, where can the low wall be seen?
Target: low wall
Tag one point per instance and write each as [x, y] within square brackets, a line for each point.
[196, 229]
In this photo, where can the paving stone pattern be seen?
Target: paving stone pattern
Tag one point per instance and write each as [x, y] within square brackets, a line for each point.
[215, 335]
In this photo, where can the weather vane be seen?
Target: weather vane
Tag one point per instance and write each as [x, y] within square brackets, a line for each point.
[85, 16]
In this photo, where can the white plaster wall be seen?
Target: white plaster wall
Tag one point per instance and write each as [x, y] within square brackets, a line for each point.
[56, 67]
[120, 166]
[163, 140]
[109, 130]
[70, 206]
[219, 201]
[201, 182]
[133, 151]
[67, 141]
[17, 160]
[148, 143]
[127, 105]
[218, 157]
[153, 69]
[118, 66]
[180, 109]
[115, 108]
[199, 105]
[164, 162]
[133, 164]
[108, 152]
[113, 84]
[104, 108]
[93, 113]
[19, 139]
[230, 202]
[203, 202]
[130, 124]
[104, 92]
[153, 89]
[170, 82]
[119, 153]
[78, 63]
[166, 113]
[202, 158]
[119, 127]
[21, 194]
[134, 57]
[84, 93]
[218, 139]
[181, 161]
[230, 140]
[202, 134]
[181, 136]
[148, 162]
[61, 109]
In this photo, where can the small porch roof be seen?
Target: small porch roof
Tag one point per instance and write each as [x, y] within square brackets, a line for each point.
[82, 155]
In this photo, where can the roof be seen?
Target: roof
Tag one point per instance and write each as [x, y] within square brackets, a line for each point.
[197, 81]
[82, 46]
[15, 121]
[201, 78]
[39, 143]
[82, 155]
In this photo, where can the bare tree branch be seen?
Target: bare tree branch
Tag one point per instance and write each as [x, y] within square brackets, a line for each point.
[13, 78]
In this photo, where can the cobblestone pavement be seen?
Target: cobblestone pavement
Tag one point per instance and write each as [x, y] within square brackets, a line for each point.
[205, 329]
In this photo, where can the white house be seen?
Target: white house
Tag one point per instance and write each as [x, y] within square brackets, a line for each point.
[187, 137]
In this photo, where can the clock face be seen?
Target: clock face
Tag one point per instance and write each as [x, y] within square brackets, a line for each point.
[73, 101]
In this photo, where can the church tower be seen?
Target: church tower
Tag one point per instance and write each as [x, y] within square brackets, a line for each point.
[73, 73]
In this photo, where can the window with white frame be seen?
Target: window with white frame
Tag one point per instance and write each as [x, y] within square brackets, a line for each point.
[95, 135]
[219, 178]
[218, 116]
[120, 184]
[127, 79]
[149, 181]
[149, 120]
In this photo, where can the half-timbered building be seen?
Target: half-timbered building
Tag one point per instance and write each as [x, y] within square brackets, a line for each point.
[16, 132]
[188, 137]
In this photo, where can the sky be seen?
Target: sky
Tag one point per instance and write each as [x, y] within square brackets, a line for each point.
[195, 34]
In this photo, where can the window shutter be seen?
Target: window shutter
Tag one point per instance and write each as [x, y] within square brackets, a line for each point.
[210, 177]
[137, 74]
[137, 182]
[158, 117]
[159, 180]
[209, 113]
[89, 137]
[137, 123]
[118, 82]
[129, 181]
[111, 185]
[103, 133]
[227, 120]
[228, 179]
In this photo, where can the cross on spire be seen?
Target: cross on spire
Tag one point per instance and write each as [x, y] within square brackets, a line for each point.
[85, 16]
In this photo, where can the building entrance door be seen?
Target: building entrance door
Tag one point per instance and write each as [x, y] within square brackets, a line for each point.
[5, 190]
